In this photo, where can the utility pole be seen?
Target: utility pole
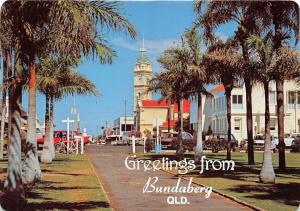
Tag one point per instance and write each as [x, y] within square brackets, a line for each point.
[73, 113]
[125, 117]
[68, 121]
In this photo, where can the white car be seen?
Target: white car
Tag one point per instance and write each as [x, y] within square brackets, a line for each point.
[289, 138]
[259, 142]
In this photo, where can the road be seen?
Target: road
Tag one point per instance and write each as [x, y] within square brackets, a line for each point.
[124, 187]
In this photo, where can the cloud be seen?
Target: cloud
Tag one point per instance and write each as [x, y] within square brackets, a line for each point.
[154, 47]
[222, 36]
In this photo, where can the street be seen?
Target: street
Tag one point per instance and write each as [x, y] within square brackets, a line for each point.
[124, 187]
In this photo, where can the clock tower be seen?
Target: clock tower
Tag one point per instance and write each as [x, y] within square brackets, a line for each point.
[142, 76]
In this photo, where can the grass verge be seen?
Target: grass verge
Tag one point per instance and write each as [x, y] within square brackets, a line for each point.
[243, 183]
[68, 184]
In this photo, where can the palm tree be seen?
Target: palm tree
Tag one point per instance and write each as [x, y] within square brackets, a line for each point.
[56, 79]
[285, 18]
[247, 17]
[13, 188]
[263, 54]
[7, 64]
[87, 41]
[271, 62]
[165, 83]
[196, 80]
[224, 61]
[55, 23]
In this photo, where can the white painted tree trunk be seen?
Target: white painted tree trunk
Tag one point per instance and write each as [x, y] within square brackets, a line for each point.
[52, 147]
[31, 168]
[199, 145]
[14, 196]
[3, 114]
[267, 174]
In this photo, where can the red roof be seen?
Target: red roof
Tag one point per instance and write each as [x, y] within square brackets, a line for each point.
[219, 88]
[172, 124]
[157, 103]
[186, 107]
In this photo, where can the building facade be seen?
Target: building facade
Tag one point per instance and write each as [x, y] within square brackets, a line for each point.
[215, 115]
[150, 110]
[123, 124]
[142, 76]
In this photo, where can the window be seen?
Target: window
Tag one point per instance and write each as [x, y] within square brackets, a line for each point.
[128, 127]
[237, 101]
[272, 124]
[298, 99]
[237, 124]
[291, 98]
[272, 98]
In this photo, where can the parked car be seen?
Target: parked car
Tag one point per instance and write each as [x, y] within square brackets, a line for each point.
[289, 138]
[171, 141]
[113, 140]
[295, 145]
[138, 137]
[102, 142]
[126, 138]
[59, 135]
[259, 142]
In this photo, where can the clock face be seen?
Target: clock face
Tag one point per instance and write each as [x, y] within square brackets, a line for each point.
[140, 78]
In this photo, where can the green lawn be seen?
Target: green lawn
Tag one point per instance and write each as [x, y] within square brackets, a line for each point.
[243, 183]
[68, 184]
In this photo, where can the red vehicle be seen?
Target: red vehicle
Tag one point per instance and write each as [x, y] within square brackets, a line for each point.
[59, 135]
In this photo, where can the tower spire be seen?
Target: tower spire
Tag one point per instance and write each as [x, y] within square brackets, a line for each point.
[143, 49]
[143, 41]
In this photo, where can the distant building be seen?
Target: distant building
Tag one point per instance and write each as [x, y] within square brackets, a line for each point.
[214, 110]
[149, 110]
[119, 125]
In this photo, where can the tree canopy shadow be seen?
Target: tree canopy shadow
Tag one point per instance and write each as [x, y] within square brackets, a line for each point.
[62, 173]
[57, 205]
[287, 193]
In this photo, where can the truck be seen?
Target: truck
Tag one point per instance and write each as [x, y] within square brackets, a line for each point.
[58, 136]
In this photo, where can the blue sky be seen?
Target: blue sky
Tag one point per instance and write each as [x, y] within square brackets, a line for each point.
[162, 24]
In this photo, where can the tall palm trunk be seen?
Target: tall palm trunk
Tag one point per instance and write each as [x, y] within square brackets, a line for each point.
[280, 114]
[199, 145]
[3, 118]
[279, 85]
[179, 151]
[228, 105]
[52, 147]
[14, 197]
[7, 64]
[267, 174]
[46, 156]
[168, 119]
[248, 87]
[250, 141]
[31, 168]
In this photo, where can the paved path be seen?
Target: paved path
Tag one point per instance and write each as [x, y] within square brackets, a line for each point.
[124, 187]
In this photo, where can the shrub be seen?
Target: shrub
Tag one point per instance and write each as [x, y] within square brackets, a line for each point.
[188, 145]
[216, 144]
[149, 145]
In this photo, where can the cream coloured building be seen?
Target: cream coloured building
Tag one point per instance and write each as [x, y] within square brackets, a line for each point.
[147, 110]
[142, 76]
[214, 110]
